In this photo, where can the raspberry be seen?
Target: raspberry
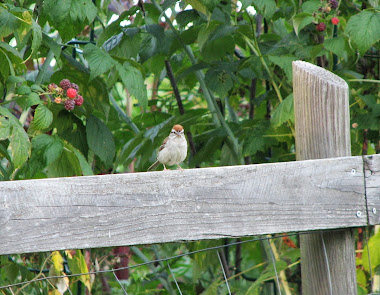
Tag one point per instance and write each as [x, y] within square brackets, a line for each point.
[334, 4]
[75, 86]
[321, 27]
[52, 87]
[58, 99]
[335, 20]
[71, 93]
[69, 104]
[65, 84]
[79, 100]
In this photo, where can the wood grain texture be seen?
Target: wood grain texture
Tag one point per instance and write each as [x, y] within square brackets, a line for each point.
[322, 125]
[321, 110]
[194, 204]
[372, 183]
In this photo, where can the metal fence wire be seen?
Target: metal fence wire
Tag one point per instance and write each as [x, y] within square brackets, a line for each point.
[268, 238]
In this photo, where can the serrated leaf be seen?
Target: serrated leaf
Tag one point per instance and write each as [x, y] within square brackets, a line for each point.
[43, 118]
[266, 7]
[285, 63]
[99, 61]
[46, 148]
[311, 6]
[37, 37]
[67, 164]
[84, 165]
[284, 111]
[27, 101]
[23, 89]
[100, 139]
[186, 16]
[219, 81]
[8, 22]
[301, 20]
[134, 82]
[5, 128]
[335, 45]
[19, 141]
[69, 17]
[363, 28]
[36, 88]
[15, 79]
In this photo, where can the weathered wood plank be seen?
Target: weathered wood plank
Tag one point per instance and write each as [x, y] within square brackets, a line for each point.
[140, 208]
[372, 183]
[322, 125]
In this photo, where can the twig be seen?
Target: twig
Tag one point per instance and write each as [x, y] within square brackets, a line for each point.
[179, 290]
[224, 273]
[177, 95]
[117, 279]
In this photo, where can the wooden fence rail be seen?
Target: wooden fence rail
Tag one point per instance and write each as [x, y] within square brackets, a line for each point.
[194, 204]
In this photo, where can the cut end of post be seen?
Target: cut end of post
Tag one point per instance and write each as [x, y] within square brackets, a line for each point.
[319, 72]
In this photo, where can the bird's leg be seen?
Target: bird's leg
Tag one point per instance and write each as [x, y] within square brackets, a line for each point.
[164, 167]
[180, 168]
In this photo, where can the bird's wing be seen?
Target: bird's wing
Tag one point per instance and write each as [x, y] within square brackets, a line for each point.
[163, 143]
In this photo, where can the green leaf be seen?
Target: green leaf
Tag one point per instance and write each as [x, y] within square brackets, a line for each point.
[374, 253]
[284, 111]
[37, 37]
[335, 45]
[57, 260]
[67, 164]
[265, 7]
[197, 5]
[219, 81]
[23, 89]
[363, 28]
[8, 22]
[100, 140]
[99, 61]
[285, 63]
[27, 101]
[311, 6]
[5, 128]
[69, 17]
[51, 44]
[134, 82]
[47, 148]
[19, 141]
[77, 264]
[43, 118]
[84, 165]
[301, 20]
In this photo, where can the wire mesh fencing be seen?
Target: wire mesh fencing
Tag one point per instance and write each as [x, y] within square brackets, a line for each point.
[257, 265]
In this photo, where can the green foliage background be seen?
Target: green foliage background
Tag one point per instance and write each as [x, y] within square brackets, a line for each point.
[233, 71]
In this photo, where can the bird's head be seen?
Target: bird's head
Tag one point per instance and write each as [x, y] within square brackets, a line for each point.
[177, 130]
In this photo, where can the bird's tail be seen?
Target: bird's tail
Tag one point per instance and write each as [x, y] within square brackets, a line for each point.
[154, 166]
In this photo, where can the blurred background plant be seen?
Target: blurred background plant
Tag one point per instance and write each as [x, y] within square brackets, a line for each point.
[222, 69]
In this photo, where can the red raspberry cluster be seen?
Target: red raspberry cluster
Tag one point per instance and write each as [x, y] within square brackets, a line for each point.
[66, 93]
[327, 7]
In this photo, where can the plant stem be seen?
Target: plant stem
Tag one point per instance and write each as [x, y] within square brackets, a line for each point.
[215, 111]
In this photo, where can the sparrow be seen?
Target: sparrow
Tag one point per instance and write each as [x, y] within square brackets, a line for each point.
[173, 149]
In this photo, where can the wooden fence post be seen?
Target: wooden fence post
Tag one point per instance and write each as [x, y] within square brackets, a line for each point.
[322, 125]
